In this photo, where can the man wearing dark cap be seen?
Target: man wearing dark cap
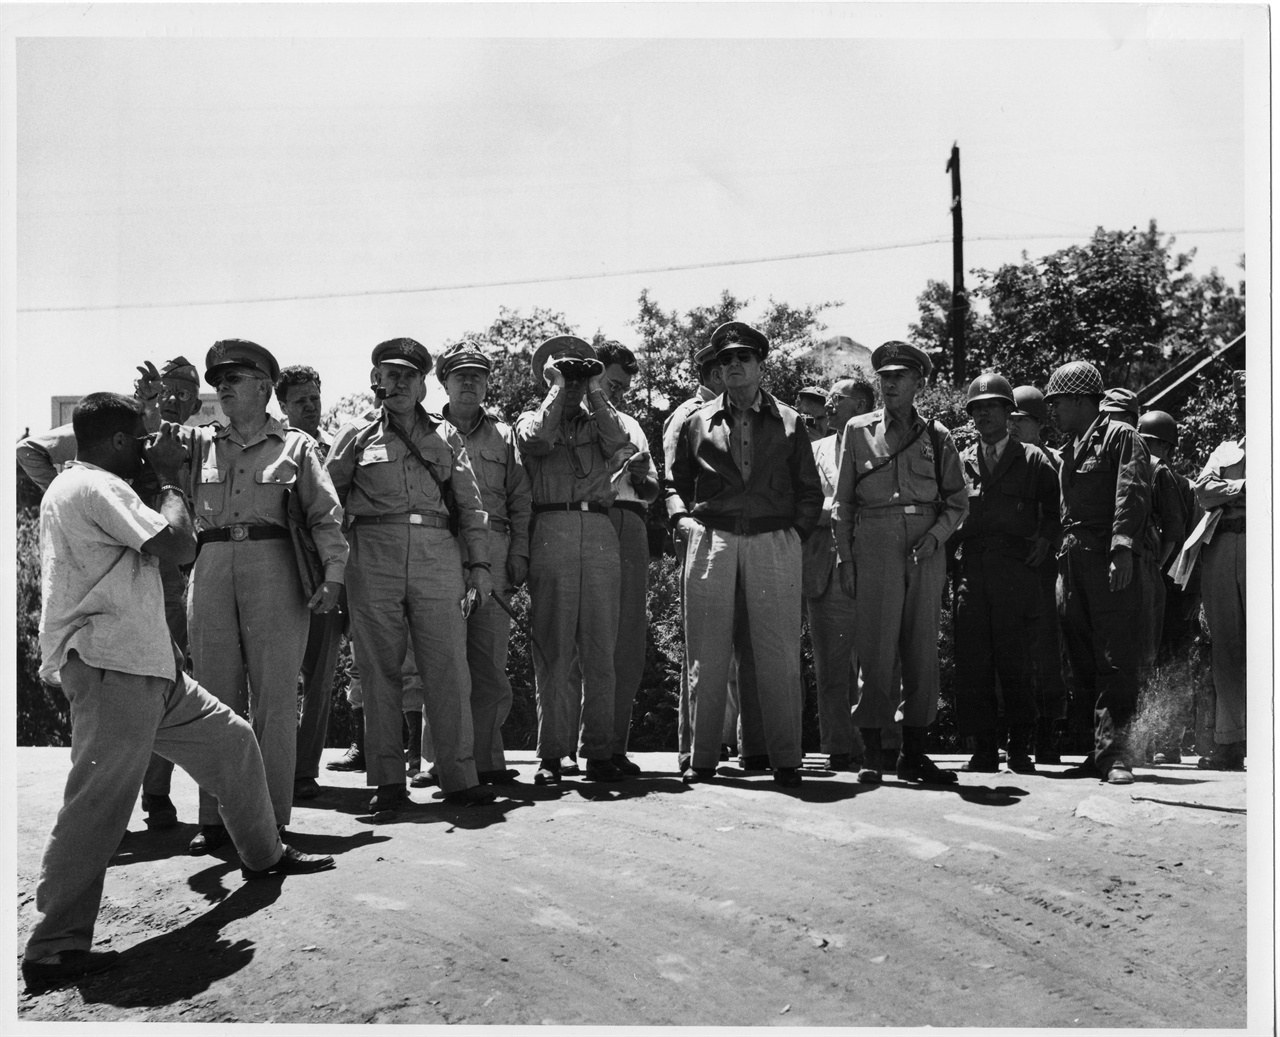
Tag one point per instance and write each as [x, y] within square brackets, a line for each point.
[298, 393]
[1220, 489]
[830, 610]
[744, 493]
[171, 394]
[573, 445]
[249, 614]
[400, 477]
[1053, 700]
[742, 728]
[811, 404]
[899, 497]
[1012, 522]
[1105, 484]
[463, 370]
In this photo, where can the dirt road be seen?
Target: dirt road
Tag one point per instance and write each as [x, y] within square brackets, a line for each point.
[1009, 901]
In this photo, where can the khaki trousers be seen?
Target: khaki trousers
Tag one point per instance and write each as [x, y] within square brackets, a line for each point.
[633, 620]
[898, 613]
[835, 664]
[574, 572]
[117, 721]
[488, 636]
[247, 613]
[1222, 585]
[743, 592]
[405, 584]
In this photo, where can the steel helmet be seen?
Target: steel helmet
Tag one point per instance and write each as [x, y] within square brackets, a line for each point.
[989, 386]
[1156, 424]
[1028, 402]
[1077, 378]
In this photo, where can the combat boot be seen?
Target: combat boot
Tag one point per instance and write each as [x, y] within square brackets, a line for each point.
[413, 755]
[914, 765]
[869, 772]
[986, 755]
[353, 758]
[1047, 751]
[1021, 741]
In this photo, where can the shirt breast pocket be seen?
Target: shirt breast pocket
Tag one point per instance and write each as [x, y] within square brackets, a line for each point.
[283, 473]
[491, 472]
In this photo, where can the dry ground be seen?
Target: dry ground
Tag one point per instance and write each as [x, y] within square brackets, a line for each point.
[1009, 901]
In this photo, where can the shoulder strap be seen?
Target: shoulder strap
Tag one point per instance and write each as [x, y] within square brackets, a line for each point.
[403, 437]
[885, 460]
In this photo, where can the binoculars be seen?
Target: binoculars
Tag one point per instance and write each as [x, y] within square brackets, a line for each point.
[573, 368]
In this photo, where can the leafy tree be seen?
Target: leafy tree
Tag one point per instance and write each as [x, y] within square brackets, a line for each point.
[932, 332]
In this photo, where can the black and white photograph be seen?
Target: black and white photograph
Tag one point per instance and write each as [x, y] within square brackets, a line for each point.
[680, 515]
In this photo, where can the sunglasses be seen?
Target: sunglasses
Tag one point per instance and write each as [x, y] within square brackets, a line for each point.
[230, 378]
[181, 395]
[740, 356]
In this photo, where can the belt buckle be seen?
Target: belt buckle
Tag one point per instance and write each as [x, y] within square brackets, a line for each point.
[239, 532]
[415, 519]
[584, 505]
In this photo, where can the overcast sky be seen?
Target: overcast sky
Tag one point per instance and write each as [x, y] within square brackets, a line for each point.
[176, 166]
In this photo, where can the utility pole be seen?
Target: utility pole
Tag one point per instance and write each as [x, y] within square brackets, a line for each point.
[959, 300]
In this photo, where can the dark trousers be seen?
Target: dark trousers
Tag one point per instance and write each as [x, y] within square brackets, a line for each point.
[1052, 695]
[997, 620]
[1101, 633]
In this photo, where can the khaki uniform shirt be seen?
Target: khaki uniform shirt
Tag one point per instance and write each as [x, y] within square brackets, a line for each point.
[374, 473]
[232, 482]
[501, 476]
[568, 455]
[909, 479]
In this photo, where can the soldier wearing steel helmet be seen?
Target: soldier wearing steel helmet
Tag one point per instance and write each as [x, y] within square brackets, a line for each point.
[1011, 523]
[1053, 699]
[249, 615]
[900, 494]
[1176, 512]
[1106, 495]
[403, 477]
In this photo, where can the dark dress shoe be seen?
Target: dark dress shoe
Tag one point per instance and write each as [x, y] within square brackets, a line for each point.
[291, 862]
[305, 788]
[868, 775]
[504, 777]
[1119, 774]
[208, 839]
[1021, 764]
[571, 768]
[1166, 757]
[695, 775]
[624, 766]
[65, 967]
[386, 801]
[787, 777]
[476, 796]
[983, 763]
[602, 770]
[839, 762]
[351, 760]
[548, 773]
[423, 779]
[755, 763]
[919, 767]
[1049, 757]
[160, 811]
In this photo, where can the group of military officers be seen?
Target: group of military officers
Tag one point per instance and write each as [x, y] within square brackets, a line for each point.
[423, 524]
[260, 542]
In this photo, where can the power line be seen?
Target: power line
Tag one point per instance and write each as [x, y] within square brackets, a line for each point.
[516, 282]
